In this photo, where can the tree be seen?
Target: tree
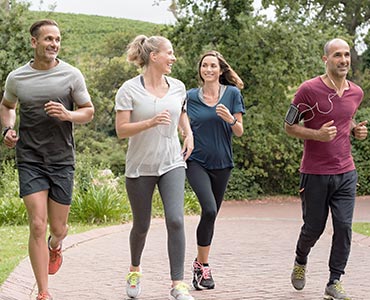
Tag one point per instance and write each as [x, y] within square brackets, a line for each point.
[348, 14]
[15, 47]
[272, 58]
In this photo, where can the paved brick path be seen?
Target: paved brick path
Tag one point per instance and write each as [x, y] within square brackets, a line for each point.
[251, 258]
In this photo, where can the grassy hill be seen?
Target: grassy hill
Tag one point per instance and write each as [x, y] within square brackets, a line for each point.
[91, 34]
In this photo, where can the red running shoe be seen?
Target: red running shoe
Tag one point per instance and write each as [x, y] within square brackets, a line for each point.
[55, 258]
[44, 296]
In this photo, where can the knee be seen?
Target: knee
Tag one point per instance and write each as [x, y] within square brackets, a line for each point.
[313, 233]
[59, 232]
[342, 226]
[38, 228]
[209, 215]
[140, 228]
[175, 223]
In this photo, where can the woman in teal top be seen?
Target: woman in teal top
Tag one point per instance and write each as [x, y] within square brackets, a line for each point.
[215, 111]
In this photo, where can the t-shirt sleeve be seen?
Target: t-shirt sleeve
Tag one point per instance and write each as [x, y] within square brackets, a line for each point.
[124, 99]
[80, 93]
[10, 89]
[304, 100]
[238, 103]
[300, 98]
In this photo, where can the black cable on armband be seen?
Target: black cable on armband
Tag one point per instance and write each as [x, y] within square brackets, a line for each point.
[292, 115]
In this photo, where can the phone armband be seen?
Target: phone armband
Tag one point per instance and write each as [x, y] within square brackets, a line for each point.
[292, 115]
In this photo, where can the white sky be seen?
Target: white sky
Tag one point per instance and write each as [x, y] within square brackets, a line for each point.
[142, 10]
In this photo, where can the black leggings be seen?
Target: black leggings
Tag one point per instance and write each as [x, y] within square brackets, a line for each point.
[210, 187]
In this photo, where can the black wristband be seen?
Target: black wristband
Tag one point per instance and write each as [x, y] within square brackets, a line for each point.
[233, 122]
[6, 129]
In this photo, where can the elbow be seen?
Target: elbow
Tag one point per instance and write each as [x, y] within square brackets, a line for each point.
[121, 134]
[239, 133]
[84, 118]
[90, 117]
[289, 129]
[286, 127]
[92, 113]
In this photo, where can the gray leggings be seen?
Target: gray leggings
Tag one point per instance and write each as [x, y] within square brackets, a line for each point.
[140, 192]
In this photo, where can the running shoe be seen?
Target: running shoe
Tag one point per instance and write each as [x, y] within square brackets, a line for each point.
[202, 277]
[298, 277]
[55, 258]
[133, 287]
[335, 291]
[180, 292]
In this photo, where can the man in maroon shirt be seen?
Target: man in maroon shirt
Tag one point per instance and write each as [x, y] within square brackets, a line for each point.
[326, 106]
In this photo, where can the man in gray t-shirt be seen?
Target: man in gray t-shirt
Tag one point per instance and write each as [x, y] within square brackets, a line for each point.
[52, 96]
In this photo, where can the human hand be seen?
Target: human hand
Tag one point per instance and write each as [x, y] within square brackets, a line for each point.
[223, 112]
[327, 132]
[188, 146]
[57, 110]
[163, 118]
[360, 130]
[10, 138]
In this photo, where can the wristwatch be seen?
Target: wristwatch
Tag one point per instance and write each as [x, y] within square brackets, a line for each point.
[233, 122]
[6, 129]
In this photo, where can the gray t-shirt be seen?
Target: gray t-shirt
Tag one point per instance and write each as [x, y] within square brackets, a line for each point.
[157, 150]
[44, 139]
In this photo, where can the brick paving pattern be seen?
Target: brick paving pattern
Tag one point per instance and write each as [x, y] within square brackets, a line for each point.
[251, 258]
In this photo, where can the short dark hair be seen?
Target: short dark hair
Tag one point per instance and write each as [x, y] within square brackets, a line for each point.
[35, 27]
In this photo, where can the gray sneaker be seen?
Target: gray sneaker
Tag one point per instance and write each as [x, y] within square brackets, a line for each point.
[335, 291]
[133, 288]
[180, 292]
[298, 277]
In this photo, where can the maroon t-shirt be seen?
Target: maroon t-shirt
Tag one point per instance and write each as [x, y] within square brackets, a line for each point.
[318, 105]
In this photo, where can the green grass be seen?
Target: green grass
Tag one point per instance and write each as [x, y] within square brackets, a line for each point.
[13, 248]
[362, 228]
[14, 243]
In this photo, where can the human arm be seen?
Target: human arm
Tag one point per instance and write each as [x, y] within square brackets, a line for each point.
[188, 143]
[125, 128]
[83, 114]
[235, 120]
[325, 133]
[8, 118]
[359, 130]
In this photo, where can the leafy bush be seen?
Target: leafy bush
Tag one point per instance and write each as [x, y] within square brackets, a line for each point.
[244, 184]
[12, 212]
[361, 155]
[12, 209]
[99, 204]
